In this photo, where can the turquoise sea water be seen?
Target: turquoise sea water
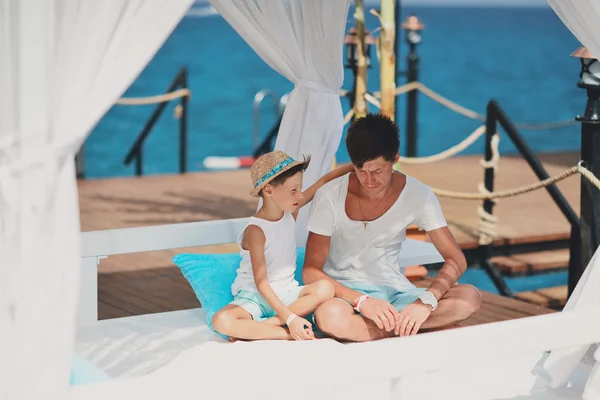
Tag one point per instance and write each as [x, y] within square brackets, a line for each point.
[519, 57]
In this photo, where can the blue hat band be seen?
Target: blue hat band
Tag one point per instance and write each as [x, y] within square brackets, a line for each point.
[276, 169]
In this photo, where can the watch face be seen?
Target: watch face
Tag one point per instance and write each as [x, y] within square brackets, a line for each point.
[428, 298]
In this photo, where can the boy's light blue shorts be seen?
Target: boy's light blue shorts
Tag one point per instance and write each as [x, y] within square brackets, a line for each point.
[258, 307]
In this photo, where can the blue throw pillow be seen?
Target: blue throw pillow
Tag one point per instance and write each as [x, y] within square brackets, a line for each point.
[211, 277]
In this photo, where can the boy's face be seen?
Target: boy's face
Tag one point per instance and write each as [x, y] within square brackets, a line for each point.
[287, 196]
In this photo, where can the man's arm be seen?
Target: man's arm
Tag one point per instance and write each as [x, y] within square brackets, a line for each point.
[317, 251]
[309, 193]
[455, 262]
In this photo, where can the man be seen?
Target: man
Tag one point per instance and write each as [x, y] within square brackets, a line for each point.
[357, 225]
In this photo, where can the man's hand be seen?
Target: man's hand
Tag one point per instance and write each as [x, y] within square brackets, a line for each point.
[411, 317]
[381, 312]
[301, 329]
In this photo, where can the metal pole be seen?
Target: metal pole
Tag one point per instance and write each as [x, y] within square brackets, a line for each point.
[80, 162]
[590, 196]
[139, 163]
[411, 117]
[183, 125]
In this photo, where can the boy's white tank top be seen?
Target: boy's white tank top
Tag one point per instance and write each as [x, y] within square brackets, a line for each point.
[280, 256]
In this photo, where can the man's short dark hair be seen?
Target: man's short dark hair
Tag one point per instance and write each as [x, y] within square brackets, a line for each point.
[370, 137]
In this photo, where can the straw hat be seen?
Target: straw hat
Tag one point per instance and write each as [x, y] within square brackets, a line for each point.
[269, 166]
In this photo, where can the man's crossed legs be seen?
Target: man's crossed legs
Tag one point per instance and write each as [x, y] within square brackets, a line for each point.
[336, 318]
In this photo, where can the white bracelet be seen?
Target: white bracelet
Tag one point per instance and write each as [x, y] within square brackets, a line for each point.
[359, 302]
[290, 319]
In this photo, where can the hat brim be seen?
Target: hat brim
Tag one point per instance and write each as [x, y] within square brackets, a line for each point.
[255, 192]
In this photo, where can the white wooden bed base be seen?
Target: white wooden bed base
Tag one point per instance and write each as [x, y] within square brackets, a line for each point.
[398, 368]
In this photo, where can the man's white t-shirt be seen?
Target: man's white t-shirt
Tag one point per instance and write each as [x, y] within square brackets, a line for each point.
[371, 255]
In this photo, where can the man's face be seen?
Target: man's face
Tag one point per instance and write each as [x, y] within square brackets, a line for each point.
[375, 175]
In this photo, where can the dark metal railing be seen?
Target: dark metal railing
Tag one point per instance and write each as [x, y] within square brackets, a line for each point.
[268, 143]
[136, 151]
[496, 115]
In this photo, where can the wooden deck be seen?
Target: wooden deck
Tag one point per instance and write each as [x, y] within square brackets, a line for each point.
[148, 282]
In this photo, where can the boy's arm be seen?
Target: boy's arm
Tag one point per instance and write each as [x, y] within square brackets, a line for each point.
[336, 173]
[256, 246]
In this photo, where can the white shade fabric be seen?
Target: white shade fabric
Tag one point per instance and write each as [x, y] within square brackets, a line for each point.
[303, 41]
[582, 17]
[63, 63]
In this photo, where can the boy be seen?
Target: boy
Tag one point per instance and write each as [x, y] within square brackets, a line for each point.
[266, 295]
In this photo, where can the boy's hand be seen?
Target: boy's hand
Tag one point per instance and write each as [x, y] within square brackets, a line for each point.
[301, 329]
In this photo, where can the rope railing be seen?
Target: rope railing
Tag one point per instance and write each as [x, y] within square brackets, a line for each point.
[160, 98]
[450, 152]
[463, 110]
[485, 195]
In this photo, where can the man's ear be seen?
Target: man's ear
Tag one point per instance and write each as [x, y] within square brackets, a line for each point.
[396, 158]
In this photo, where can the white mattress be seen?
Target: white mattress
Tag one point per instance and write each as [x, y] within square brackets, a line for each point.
[175, 354]
[134, 346]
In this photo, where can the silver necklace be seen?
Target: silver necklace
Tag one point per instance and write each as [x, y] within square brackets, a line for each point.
[365, 222]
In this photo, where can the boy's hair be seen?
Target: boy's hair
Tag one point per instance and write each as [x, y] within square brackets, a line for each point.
[280, 179]
[372, 136]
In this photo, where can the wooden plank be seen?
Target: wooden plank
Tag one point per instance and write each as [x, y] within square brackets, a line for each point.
[166, 199]
[533, 297]
[530, 263]
[557, 295]
[554, 297]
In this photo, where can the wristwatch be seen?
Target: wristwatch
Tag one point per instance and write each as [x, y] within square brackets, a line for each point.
[428, 298]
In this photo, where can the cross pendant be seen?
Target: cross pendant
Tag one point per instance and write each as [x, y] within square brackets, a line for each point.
[365, 224]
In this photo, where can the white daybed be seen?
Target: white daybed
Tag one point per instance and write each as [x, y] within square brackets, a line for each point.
[176, 354]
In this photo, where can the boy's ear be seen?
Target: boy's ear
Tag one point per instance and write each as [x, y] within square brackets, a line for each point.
[267, 189]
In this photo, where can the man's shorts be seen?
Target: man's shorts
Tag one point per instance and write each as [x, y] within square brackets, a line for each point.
[396, 298]
[258, 307]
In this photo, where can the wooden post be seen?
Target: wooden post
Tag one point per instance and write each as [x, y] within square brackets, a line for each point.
[388, 59]
[397, 19]
[360, 103]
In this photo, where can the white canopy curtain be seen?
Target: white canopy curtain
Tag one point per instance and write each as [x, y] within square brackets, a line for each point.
[582, 17]
[63, 63]
[303, 41]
